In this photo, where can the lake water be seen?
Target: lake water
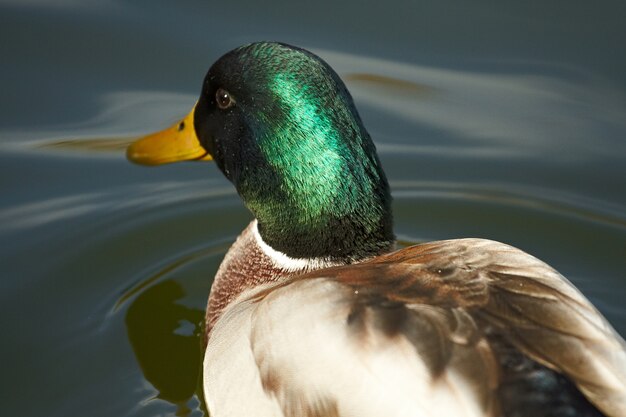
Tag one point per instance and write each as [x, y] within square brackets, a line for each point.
[504, 120]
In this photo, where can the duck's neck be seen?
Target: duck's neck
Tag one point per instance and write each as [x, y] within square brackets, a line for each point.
[251, 262]
[334, 204]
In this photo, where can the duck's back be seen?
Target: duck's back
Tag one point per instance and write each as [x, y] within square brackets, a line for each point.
[469, 328]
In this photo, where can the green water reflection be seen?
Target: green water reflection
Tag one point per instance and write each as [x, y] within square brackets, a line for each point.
[166, 338]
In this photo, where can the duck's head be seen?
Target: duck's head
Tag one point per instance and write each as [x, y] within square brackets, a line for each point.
[282, 127]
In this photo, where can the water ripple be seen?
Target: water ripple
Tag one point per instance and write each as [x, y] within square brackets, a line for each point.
[549, 200]
[121, 199]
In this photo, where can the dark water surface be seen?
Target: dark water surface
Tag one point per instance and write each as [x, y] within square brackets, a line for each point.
[504, 120]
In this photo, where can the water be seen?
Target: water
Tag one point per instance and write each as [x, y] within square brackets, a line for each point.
[501, 120]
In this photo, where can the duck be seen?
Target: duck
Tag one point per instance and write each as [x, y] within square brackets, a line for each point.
[314, 311]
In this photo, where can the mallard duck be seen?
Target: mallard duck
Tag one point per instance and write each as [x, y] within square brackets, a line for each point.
[313, 313]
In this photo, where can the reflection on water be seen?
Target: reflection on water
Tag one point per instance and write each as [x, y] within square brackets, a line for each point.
[91, 145]
[390, 84]
[166, 338]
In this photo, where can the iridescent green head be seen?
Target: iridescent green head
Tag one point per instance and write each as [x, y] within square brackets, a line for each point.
[281, 125]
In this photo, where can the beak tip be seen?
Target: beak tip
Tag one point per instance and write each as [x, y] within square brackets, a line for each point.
[137, 157]
[132, 155]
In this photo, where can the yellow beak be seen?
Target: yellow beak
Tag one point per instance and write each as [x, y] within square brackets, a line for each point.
[174, 144]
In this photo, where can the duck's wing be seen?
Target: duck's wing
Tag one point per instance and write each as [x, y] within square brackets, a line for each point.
[454, 328]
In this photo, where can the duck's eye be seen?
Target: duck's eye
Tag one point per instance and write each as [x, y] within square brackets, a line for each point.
[223, 99]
